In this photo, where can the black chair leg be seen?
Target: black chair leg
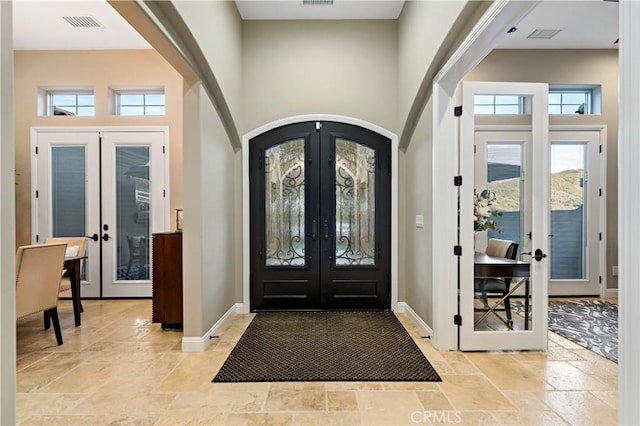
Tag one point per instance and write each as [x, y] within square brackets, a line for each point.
[47, 320]
[507, 307]
[56, 324]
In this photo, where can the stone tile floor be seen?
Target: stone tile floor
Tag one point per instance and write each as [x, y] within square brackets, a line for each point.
[119, 368]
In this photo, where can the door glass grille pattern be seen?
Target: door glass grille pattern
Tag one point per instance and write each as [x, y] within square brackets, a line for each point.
[285, 204]
[132, 213]
[355, 203]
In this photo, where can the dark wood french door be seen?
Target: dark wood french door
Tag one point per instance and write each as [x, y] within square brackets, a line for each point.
[320, 209]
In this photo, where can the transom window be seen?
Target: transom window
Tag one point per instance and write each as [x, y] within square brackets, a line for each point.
[499, 104]
[569, 101]
[81, 103]
[140, 102]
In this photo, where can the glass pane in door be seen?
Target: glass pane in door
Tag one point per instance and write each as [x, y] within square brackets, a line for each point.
[568, 222]
[68, 191]
[504, 179]
[285, 204]
[132, 213]
[355, 203]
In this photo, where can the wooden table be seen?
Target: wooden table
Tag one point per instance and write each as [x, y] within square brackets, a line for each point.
[73, 265]
[499, 267]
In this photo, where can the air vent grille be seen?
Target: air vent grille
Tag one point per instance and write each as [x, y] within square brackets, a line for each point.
[317, 2]
[543, 34]
[83, 22]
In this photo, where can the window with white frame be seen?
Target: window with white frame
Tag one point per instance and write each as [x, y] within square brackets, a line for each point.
[132, 102]
[563, 100]
[498, 104]
[69, 102]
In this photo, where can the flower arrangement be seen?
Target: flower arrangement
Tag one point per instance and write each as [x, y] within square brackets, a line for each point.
[482, 211]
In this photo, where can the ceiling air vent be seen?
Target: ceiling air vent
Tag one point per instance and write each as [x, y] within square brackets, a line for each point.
[543, 34]
[317, 2]
[83, 22]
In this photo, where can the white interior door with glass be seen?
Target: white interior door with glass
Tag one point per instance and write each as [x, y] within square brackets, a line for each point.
[111, 187]
[523, 170]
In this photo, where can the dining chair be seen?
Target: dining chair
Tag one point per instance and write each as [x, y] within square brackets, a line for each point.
[38, 271]
[500, 286]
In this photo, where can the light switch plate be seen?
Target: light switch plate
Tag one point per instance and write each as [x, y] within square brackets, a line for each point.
[419, 221]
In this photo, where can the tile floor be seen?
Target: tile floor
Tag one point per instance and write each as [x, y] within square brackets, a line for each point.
[119, 368]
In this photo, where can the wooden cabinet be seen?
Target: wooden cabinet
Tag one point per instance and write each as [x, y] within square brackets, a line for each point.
[166, 249]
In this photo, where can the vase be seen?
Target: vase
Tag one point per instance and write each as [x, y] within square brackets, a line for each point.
[480, 241]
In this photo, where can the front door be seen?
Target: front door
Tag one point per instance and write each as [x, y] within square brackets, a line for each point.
[320, 206]
[110, 187]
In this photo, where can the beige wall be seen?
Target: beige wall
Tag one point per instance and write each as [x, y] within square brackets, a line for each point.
[320, 67]
[416, 180]
[217, 28]
[99, 69]
[571, 67]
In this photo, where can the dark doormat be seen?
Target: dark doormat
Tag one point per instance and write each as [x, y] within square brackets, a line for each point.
[326, 346]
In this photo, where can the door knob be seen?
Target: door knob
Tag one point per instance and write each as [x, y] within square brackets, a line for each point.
[537, 255]
[94, 237]
[105, 237]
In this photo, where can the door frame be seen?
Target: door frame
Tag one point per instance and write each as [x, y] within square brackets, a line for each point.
[246, 255]
[601, 129]
[36, 130]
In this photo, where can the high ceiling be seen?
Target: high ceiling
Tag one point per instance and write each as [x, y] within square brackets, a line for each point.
[41, 25]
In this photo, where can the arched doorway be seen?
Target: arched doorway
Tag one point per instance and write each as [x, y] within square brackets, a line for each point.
[320, 218]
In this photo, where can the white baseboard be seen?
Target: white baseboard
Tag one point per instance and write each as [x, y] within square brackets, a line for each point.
[199, 344]
[611, 292]
[403, 307]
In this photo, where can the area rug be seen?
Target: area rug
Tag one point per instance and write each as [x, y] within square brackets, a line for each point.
[592, 324]
[326, 346]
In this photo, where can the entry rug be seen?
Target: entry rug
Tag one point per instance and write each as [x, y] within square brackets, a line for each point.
[326, 346]
[589, 323]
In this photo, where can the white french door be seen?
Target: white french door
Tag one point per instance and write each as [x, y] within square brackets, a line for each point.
[525, 165]
[111, 187]
[576, 210]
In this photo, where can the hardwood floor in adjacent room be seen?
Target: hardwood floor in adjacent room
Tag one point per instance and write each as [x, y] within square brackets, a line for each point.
[119, 368]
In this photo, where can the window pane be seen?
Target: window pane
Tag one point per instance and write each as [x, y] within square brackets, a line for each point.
[63, 99]
[154, 110]
[504, 99]
[570, 109]
[355, 203]
[483, 109]
[68, 192]
[154, 99]
[568, 222]
[86, 111]
[85, 100]
[484, 99]
[555, 109]
[285, 204]
[132, 213]
[555, 98]
[507, 109]
[131, 99]
[504, 176]
[131, 110]
[573, 98]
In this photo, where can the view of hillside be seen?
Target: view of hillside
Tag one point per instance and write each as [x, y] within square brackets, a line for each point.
[566, 191]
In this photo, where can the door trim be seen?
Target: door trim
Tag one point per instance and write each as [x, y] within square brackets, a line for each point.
[246, 256]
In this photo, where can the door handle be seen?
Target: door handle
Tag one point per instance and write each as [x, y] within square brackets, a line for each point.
[314, 229]
[105, 237]
[537, 255]
[325, 232]
[94, 237]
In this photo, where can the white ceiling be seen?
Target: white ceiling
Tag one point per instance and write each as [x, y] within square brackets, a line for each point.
[39, 25]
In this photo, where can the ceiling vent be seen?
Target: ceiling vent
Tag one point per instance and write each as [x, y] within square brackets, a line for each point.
[543, 34]
[83, 21]
[317, 2]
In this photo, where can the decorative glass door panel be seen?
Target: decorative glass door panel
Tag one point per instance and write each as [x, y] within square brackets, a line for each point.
[285, 204]
[355, 203]
[320, 218]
